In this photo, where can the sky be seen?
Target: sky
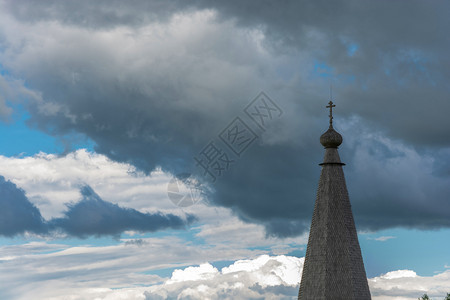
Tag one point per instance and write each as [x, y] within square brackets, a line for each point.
[170, 149]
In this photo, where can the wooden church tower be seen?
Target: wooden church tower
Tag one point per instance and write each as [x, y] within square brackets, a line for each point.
[333, 267]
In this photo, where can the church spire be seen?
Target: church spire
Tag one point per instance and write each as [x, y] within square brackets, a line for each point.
[333, 267]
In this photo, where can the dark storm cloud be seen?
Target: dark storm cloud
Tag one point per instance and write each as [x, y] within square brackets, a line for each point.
[154, 94]
[17, 213]
[94, 216]
[391, 185]
[400, 68]
[96, 14]
[90, 216]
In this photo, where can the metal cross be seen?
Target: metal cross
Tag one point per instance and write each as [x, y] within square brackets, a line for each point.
[330, 106]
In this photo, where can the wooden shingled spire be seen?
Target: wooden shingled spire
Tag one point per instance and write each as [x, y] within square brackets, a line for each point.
[333, 267]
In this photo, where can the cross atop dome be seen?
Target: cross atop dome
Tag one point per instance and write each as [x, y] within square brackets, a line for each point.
[330, 106]
[331, 138]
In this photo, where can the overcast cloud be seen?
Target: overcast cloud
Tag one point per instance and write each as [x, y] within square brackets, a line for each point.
[152, 83]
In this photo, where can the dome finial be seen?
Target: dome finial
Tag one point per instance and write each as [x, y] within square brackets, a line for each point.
[330, 106]
[331, 138]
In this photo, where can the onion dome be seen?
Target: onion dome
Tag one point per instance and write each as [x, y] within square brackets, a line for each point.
[331, 138]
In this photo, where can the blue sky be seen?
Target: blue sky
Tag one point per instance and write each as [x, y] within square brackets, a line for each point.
[102, 104]
[22, 139]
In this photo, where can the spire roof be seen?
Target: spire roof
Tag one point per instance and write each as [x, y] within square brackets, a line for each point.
[333, 267]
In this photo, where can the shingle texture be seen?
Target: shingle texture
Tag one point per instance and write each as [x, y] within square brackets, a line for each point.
[334, 267]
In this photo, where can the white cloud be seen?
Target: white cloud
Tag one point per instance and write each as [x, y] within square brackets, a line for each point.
[50, 181]
[270, 271]
[247, 279]
[240, 279]
[399, 274]
[269, 277]
[382, 238]
[406, 284]
[202, 272]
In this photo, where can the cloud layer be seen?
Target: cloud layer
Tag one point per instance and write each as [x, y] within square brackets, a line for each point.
[278, 277]
[104, 273]
[91, 216]
[51, 182]
[152, 83]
